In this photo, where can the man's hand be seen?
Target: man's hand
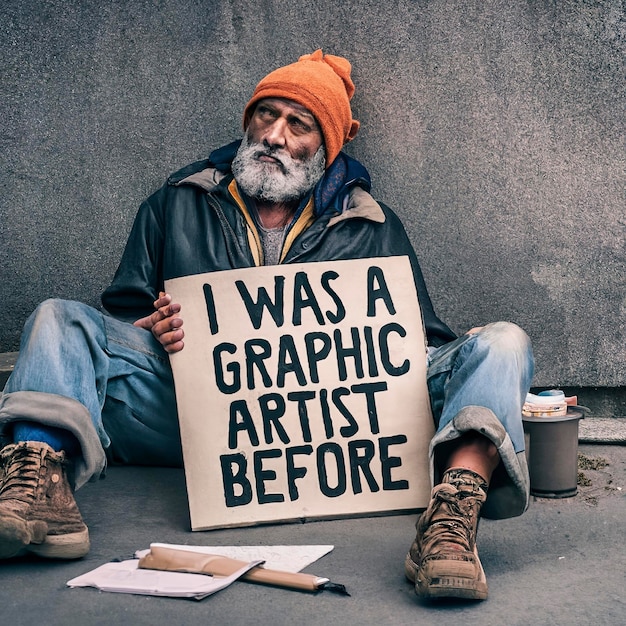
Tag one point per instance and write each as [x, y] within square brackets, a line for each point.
[165, 323]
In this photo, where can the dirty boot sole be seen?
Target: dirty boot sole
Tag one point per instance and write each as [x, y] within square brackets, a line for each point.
[19, 537]
[452, 584]
[16, 534]
[70, 546]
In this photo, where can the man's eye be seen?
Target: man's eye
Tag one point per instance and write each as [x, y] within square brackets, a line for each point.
[300, 125]
[265, 113]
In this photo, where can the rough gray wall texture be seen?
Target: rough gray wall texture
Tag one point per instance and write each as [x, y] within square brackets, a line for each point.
[495, 129]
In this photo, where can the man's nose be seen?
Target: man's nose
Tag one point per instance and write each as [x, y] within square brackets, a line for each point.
[275, 134]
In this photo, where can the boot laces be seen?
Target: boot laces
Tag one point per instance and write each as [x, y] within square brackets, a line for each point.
[21, 477]
[453, 518]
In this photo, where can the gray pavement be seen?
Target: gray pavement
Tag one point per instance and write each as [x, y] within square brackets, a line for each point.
[562, 562]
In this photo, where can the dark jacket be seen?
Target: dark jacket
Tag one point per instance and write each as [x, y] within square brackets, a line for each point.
[197, 223]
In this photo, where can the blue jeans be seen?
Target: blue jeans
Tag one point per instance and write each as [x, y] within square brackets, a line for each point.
[479, 383]
[492, 368]
[111, 385]
[106, 381]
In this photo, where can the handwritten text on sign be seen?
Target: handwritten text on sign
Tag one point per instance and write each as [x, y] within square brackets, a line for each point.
[302, 391]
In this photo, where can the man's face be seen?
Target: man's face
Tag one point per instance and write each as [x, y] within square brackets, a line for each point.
[278, 122]
[282, 154]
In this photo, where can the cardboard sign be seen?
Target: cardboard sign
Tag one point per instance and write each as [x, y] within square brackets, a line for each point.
[302, 392]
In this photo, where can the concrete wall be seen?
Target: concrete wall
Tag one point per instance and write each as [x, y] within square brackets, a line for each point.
[495, 128]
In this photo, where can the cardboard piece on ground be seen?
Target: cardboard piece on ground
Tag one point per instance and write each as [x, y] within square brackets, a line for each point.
[302, 392]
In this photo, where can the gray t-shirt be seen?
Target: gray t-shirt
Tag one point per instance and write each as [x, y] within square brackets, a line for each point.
[272, 240]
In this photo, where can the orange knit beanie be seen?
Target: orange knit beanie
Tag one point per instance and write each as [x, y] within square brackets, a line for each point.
[322, 84]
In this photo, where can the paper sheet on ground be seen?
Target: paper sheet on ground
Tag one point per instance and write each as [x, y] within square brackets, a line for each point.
[285, 558]
[126, 577]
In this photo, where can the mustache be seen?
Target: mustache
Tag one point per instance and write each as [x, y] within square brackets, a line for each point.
[280, 155]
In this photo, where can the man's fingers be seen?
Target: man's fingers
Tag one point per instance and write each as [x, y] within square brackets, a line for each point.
[164, 304]
[165, 326]
[172, 340]
[176, 346]
[163, 318]
[163, 300]
[166, 310]
[165, 323]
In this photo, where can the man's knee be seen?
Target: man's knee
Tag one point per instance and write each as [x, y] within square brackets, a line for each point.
[57, 313]
[59, 307]
[49, 308]
[505, 337]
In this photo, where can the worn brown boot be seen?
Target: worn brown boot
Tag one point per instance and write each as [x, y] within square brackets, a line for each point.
[443, 561]
[38, 512]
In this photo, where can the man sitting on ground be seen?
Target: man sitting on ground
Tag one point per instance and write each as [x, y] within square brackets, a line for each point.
[90, 385]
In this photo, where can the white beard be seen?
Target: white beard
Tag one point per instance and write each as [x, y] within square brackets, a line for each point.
[276, 182]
